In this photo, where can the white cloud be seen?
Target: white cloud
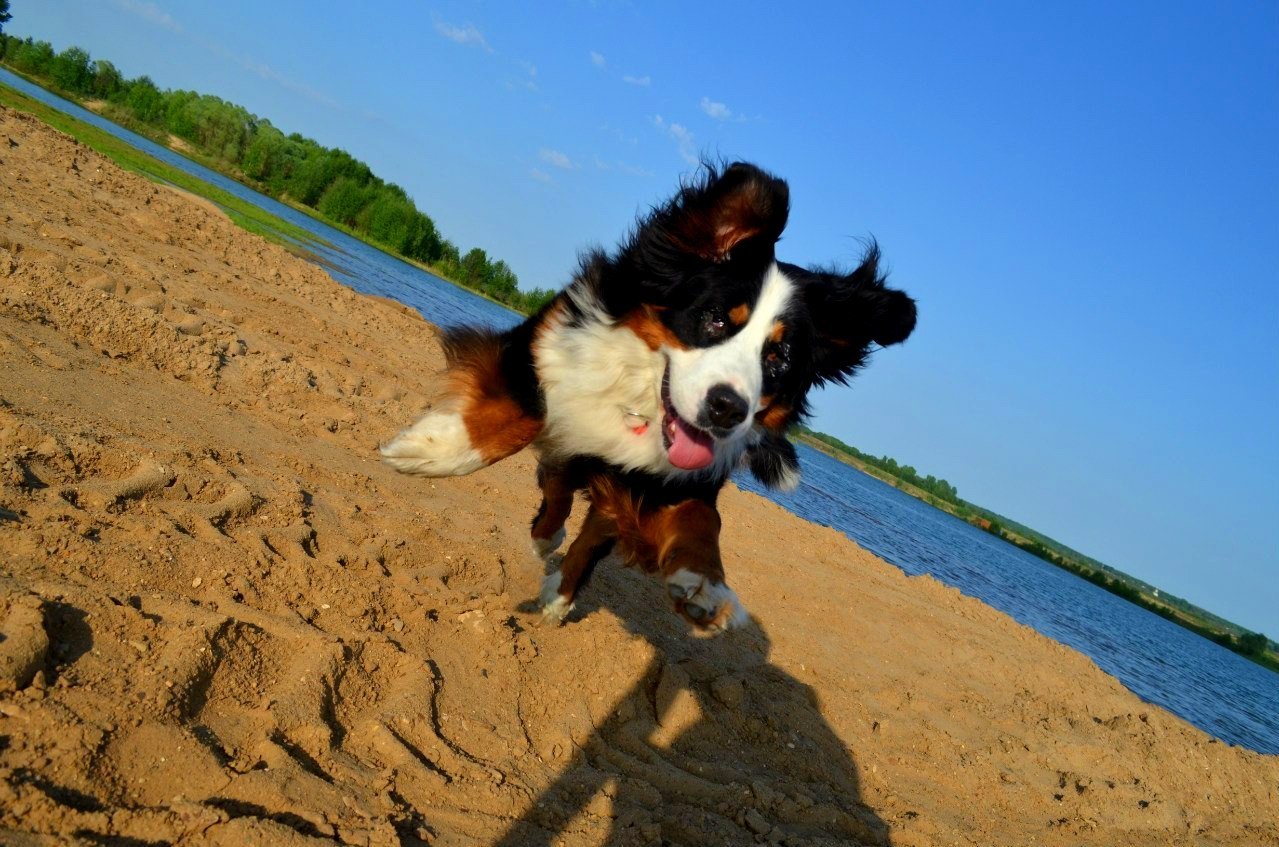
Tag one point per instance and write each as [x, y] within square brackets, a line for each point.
[641, 81]
[526, 82]
[555, 158]
[632, 170]
[150, 12]
[466, 34]
[598, 60]
[618, 134]
[718, 111]
[682, 136]
[270, 74]
[684, 139]
[540, 175]
[622, 167]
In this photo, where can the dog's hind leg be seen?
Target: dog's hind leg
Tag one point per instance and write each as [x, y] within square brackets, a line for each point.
[490, 408]
[560, 586]
[557, 504]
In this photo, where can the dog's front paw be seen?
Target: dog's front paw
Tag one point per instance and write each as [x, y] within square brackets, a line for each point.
[705, 603]
[555, 606]
[437, 445]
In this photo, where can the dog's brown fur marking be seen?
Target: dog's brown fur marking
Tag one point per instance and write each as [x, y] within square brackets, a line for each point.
[495, 423]
[713, 230]
[685, 535]
[648, 326]
[688, 537]
[774, 416]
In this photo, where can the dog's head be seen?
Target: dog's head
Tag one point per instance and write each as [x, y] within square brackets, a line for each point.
[742, 337]
[692, 345]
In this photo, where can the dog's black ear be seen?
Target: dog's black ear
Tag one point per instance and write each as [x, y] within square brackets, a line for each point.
[850, 312]
[722, 209]
[774, 463]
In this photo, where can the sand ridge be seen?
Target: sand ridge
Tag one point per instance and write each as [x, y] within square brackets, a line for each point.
[224, 622]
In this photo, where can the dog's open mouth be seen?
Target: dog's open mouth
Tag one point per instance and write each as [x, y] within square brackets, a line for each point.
[687, 447]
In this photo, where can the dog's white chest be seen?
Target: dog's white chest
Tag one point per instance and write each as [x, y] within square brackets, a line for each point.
[601, 383]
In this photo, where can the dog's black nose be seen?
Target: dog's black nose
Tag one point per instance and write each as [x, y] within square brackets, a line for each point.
[725, 407]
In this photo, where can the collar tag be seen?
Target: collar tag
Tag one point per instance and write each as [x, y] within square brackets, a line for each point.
[637, 423]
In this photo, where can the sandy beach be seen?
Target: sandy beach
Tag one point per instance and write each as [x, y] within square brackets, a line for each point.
[224, 622]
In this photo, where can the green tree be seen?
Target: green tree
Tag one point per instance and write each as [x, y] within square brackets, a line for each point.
[106, 79]
[449, 255]
[1252, 643]
[343, 201]
[70, 70]
[217, 127]
[177, 119]
[271, 158]
[533, 300]
[33, 57]
[474, 267]
[145, 100]
[319, 169]
[426, 246]
[501, 282]
[5, 17]
[391, 219]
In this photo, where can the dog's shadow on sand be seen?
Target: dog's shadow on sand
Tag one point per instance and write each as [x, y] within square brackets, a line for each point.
[713, 744]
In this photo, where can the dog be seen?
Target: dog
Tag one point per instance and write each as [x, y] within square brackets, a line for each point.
[663, 366]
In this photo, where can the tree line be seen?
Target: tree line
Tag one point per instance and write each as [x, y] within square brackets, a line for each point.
[290, 167]
[939, 488]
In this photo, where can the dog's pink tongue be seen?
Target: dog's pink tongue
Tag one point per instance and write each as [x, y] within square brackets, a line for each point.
[691, 449]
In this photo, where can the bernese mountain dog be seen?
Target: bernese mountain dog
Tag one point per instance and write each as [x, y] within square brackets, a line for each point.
[656, 372]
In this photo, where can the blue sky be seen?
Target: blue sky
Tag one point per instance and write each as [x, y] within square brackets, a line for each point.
[1084, 199]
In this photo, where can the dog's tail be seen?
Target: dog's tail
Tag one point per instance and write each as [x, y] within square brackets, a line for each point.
[490, 406]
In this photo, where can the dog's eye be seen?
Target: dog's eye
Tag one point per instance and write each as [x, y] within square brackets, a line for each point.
[777, 360]
[713, 325]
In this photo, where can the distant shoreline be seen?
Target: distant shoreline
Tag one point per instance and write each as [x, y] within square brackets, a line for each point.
[1114, 581]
